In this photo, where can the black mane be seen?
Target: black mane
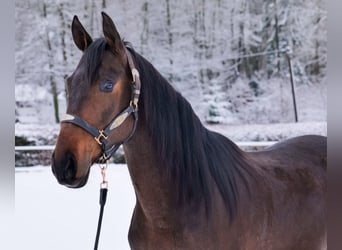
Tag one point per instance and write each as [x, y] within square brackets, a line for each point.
[192, 155]
[93, 56]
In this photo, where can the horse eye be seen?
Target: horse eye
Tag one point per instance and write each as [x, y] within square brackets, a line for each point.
[106, 86]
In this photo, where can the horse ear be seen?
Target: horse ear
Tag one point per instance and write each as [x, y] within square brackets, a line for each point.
[111, 34]
[81, 37]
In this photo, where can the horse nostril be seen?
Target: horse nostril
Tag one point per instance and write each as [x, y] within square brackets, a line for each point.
[70, 168]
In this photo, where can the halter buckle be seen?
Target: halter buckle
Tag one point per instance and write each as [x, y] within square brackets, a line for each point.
[100, 136]
[134, 105]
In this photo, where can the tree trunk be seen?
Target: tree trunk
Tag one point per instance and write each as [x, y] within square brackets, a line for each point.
[145, 30]
[51, 68]
[92, 17]
[64, 49]
[63, 28]
[276, 36]
[170, 37]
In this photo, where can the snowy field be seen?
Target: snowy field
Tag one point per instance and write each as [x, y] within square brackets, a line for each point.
[49, 216]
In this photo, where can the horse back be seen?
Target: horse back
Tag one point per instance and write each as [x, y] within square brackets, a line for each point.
[305, 143]
[304, 151]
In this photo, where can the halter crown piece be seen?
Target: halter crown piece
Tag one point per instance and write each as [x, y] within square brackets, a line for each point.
[101, 135]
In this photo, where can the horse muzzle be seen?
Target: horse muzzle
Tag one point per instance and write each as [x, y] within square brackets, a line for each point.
[65, 169]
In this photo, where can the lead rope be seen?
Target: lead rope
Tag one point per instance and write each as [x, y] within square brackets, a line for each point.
[103, 198]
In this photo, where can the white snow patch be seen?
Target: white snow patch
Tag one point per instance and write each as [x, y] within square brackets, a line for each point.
[51, 216]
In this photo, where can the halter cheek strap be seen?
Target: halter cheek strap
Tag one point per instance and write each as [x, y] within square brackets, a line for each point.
[101, 136]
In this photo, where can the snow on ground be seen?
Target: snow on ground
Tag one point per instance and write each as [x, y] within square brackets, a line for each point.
[51, 216]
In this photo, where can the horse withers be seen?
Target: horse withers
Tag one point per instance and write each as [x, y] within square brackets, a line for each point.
[195, 189]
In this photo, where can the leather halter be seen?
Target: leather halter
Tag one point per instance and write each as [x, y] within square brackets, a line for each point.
[101, 135]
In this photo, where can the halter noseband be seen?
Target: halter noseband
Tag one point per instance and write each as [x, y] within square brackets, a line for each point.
[101, 135]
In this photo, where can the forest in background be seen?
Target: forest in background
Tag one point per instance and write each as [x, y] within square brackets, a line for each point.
[228, 58]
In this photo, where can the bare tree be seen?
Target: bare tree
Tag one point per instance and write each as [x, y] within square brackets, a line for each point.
[169, 36]
[51, 68]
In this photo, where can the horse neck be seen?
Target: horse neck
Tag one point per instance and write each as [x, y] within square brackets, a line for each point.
[149, 152]
[153, 193]
[173, 160]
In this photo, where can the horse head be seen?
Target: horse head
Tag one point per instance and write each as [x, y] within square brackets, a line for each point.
[98, 94]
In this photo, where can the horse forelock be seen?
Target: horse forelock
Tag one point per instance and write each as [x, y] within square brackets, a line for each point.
[93, 57]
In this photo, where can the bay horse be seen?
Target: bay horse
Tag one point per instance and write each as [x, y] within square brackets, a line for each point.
[195, 189]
